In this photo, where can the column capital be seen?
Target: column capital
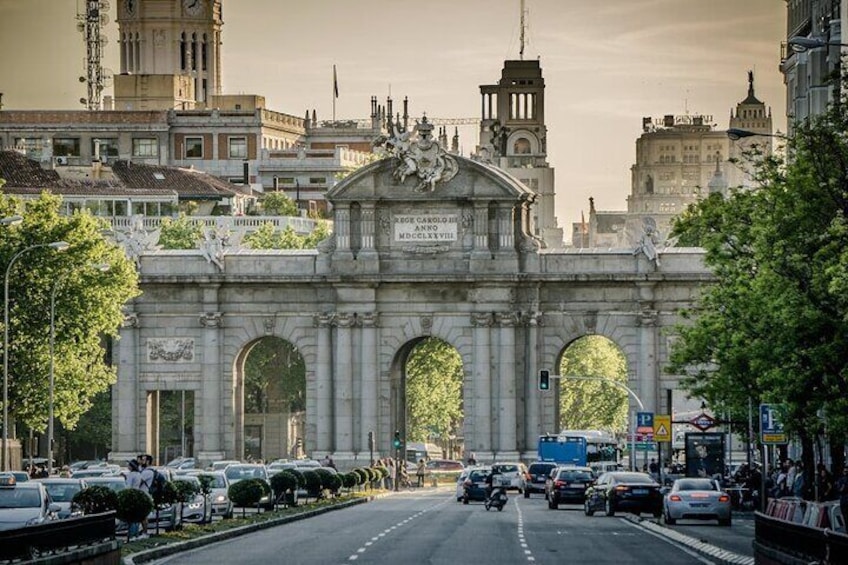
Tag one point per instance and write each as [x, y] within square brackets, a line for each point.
[345, 319]
[324, 319]
[507, 319]
[647, 318]
[130, 320]
[211, 319]
[482, 319]
[369, 319]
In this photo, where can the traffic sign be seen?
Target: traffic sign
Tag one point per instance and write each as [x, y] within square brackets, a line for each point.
[662, 427]
[771, 424]
[646, 446]
[645, 422]
[703, 421]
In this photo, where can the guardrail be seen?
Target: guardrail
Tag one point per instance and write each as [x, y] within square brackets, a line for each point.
[780, 541]
[56, 536]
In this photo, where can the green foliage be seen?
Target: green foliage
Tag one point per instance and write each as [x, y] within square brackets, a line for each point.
[283, 482]
[593, 405]
[246, 492]
[133, 505]
[206, 482]
[96, 499]
[179, 233]
[275, 378]
[333, 483]
[168, 495]
[433, 390]
[362, 475]
[186, 490]
[774, 326]
[350, 480]
[88, 308]
[268, 237]
[94, 428]
[278, 204]
[311, 482]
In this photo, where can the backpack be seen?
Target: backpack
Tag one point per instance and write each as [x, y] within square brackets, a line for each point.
[157, 486]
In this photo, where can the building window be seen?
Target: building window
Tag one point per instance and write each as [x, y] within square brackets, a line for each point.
[317, 180]
[238, 148]
[145, 147]
[32, 146]
[194, 148]
[521, 147]
[66, 147]
[108, 147]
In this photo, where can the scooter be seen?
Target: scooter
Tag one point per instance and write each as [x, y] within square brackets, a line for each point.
[497, 499]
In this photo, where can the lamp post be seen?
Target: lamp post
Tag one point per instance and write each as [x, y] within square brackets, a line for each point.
[58, 246]
[801, 44]
[735, 134]
[51, 386]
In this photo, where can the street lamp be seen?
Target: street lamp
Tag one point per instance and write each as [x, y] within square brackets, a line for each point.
[102, 267]
[801, 44]
[736, 134]
[58, 246]
[11, 221]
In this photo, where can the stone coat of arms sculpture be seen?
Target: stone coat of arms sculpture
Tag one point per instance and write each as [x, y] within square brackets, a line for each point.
[421, 156]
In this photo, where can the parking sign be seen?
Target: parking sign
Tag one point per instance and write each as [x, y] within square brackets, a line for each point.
[771, 425]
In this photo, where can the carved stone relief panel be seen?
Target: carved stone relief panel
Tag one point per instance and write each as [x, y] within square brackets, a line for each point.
[170, 350]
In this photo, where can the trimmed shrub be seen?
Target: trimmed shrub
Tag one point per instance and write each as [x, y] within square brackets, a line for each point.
[284, 483]
[301, 481]
[361, 476]
[96, 499]
[185, 490]
[168, 495]
[333, 483]
[312, 482]
[246, 493]
[350, 480]
[133, 506]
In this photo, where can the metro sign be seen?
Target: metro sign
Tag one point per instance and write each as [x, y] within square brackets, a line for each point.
[703, 421]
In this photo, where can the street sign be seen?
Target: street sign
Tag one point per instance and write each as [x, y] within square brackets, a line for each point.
[771, 425]
[644, 422]
[646, 446]
[662, 427]
[703, 421]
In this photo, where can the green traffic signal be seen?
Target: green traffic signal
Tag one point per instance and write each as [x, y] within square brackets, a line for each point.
[544, 380]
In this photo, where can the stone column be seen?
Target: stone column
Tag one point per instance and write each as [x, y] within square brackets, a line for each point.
[533, 402]
[343, 387]
[648, 376]
[126, 395]
[481, 228]
[507, 421]
[367, 228]
[209, 405]
[323, 422]
[342, 227]
[506, 231]
[370, 380]
[481, 395]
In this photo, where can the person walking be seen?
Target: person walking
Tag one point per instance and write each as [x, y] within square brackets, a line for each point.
[841, 489]
[420, 471]
[390, 479]
[133, 480]
[146, 478]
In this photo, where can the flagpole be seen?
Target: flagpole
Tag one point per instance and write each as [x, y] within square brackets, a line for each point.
[335, 92]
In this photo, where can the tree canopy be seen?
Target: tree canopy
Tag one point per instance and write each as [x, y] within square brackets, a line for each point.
[433, 391]
[88, 308]
[268, 237]
[774, 326]
[278, 204]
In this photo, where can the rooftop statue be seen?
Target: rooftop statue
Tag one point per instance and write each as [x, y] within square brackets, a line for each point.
[421, 157]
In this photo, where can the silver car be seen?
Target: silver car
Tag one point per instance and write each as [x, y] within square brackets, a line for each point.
[221, 504]
[696, 499]
[198, 510]
[62, 493]
[24, 504]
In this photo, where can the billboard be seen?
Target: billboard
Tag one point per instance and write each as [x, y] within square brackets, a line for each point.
[704, 454]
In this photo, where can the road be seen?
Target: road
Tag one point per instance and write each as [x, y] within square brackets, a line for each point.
[431, 527]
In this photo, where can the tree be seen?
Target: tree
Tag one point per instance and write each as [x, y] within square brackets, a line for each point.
[278, 204]
[774, 326]
[275, 378]
[593, 405]
[433, 390]
[179, 233]
[268, 237]
[88, 309]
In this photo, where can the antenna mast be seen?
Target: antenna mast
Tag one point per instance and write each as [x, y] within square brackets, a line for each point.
[89, 24]
[521, 50]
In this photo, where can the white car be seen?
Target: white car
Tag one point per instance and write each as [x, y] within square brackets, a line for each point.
[221, 503]
[24, 504]
[510, 476]
[696, 499]
[62, 492]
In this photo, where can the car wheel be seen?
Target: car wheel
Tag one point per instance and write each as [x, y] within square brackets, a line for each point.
[726, 522]
[609, 508]
[657, 513]
[587, 508]
[500, 508]
[553, 503]
[526, 493]
[465, 500]
[668, 520]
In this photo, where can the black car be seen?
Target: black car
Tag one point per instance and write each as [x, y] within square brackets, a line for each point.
[476, 486]
[634, 492]
[568, 485]
[537, 474]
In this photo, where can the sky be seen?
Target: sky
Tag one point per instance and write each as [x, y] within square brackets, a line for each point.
[606, 64]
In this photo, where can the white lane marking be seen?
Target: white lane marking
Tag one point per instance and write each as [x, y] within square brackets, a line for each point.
[527, 552]
[679, 546]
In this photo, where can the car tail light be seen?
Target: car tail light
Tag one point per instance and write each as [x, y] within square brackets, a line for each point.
[724, 498]
[622, 488]
[559, 484]
[674, 498]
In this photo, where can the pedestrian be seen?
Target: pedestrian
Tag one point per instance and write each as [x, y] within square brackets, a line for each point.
[330, 463]
[472, 460]
[133, 480]
[146, 478]
[841, 489]
[420, 471]
[798, 483]
[390, 479]
[654, 468]
[825, 483]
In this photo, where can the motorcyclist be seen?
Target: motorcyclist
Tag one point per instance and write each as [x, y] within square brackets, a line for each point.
[493, 490]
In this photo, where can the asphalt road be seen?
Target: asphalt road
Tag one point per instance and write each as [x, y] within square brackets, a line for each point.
[431, 527]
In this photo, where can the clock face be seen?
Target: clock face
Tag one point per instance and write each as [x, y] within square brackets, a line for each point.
[193, 7]
[130, 7]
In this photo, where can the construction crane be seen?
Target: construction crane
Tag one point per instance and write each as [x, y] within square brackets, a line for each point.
[89, 23]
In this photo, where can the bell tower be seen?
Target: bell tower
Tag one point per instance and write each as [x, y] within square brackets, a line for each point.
[170, 54]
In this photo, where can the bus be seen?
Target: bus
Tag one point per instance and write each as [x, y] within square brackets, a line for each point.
[562, 449]
[603, 452]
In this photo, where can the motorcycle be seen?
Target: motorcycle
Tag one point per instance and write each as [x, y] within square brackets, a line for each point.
[497, 499]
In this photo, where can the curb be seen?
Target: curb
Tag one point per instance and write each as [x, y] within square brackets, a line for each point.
[707, 550]
[171, 548]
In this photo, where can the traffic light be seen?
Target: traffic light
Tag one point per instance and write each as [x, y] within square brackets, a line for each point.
[397, 443]
[544, 380]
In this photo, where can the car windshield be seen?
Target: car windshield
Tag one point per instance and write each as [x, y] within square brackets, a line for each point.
[19, 498]
[695, 484]
[63, 492]
[505, 469]
[239, 472]
[540, 468]
[574, 475]
[637, 478]
[115, 485]
[478, 475]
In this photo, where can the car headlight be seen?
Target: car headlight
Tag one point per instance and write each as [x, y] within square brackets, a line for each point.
[195, 505]
[220, 498]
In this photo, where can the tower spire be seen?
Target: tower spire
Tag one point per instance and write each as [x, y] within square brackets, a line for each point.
[523, 26]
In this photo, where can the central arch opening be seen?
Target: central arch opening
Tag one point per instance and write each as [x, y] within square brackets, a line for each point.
[433, 375]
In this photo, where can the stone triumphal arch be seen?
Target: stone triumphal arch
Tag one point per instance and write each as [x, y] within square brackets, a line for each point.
[424, 244]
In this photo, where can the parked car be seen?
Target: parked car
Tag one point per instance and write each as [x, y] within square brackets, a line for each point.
[198, 510]
[567, 484]
[510, 475]
[96, 472]
[115, 482]
[182, 463]
[537, 476]
[619, 490]
[697, 499]
[62, 492]
[475, 486]
[242, 471]
[221, 503]
[460, 482]
[24, 503]
[221, 465]
[20, 476]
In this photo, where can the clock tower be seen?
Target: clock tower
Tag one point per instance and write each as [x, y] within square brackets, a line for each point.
[170, 54]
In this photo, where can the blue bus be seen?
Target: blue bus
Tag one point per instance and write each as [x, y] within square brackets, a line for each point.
[563, 449]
